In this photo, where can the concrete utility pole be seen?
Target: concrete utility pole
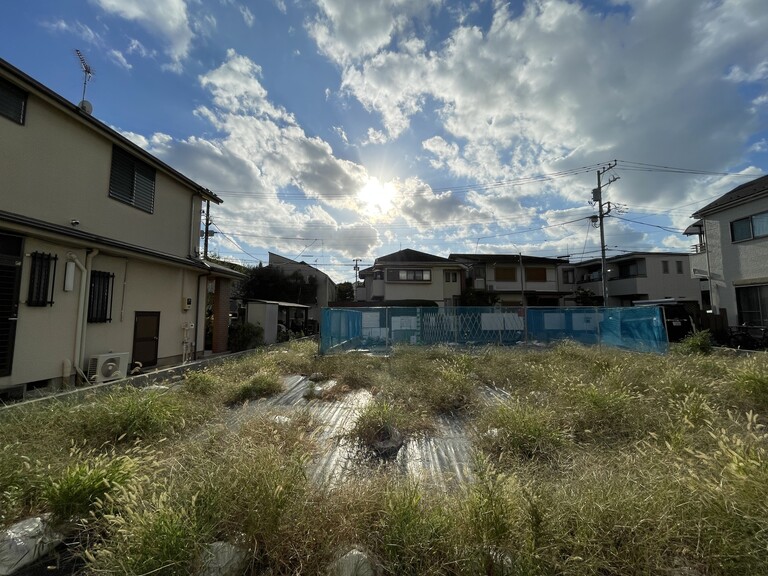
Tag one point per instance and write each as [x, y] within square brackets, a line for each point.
[207, 233]
[604, 208]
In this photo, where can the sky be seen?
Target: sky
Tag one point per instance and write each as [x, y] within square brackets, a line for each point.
[337, 131]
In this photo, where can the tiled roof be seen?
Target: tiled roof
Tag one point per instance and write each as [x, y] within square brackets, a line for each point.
[752, 189]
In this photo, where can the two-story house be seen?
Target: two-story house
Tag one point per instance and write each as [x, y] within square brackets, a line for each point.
[99, 248]
[411, 277]
[326, 288]
[640, 276]
[514, 279]
[731, 255]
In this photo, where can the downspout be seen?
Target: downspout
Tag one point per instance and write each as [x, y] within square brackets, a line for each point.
[82, 309]
[197, 310]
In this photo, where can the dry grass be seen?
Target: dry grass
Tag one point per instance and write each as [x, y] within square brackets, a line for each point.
[597, 462]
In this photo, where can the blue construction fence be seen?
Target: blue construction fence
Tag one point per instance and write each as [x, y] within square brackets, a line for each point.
[378, 329]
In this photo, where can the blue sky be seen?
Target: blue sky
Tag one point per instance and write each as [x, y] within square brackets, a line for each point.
[343, 129]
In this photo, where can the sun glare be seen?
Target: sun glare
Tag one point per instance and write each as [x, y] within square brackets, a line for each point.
[376, 198]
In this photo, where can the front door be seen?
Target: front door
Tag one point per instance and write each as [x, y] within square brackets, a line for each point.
[11, 250]
[146, 333]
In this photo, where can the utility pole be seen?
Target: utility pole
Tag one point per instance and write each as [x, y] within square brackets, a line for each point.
[604, 208]
[357, 268]
[207, 232]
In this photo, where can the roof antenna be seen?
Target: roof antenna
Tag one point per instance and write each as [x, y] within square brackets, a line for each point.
[84, 105]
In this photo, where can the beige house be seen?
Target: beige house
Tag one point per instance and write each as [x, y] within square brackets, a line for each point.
[99, 254]
[502, 277]
[731, 256]
[411, 278]
[639, 276]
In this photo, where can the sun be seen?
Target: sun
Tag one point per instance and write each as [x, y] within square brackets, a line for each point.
[376, 199]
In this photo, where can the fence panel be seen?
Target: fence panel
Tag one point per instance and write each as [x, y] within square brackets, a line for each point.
[378, 329]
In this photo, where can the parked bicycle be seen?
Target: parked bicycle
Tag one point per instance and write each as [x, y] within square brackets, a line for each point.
[743, 337]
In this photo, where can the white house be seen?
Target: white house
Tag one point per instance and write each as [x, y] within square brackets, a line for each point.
[99, 247]
[731, 255]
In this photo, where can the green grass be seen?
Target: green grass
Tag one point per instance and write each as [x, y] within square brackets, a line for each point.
[588, 461]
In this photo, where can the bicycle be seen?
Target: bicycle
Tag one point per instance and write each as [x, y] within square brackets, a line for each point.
[741, 337]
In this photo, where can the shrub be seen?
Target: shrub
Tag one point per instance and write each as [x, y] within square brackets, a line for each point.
[697, 343]
[244, 336]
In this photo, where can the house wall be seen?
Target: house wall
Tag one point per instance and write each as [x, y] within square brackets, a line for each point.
[57, 169]
[326, 288]
[46, 336]
[734, 262]
[263, 314]
[437, 289]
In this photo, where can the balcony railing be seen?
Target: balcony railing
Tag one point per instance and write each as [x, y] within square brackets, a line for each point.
[700, 248]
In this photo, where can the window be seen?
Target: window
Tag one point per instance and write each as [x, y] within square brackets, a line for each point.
[100, 298]
[536, 274]
[132, 181]
[42, 274]
[752, 305]
[13, 101]
[378, 274]
[506, 274]
[568, 276]
[451, 276]
[628, 269]
[679, 266]
[408, 275]
[665, 266]
[755, 226]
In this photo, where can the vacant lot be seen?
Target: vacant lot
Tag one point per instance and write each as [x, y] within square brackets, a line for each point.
[568, 460]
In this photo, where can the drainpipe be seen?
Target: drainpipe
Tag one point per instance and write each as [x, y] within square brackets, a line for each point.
[82, 309]
[197, 311]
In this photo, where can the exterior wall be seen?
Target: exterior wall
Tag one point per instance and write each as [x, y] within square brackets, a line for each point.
[651, 283]
[45, 339]
[437, 289]
[74, 184]
[263, 314]
[741, 262]
[326, 288]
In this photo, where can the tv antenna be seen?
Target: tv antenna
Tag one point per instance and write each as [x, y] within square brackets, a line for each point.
[84, 105]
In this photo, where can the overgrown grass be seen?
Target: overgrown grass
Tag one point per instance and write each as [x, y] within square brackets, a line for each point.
[588, 461]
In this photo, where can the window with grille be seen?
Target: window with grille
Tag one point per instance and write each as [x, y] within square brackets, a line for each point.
[451, 276]
[13, 101]
[132, 181]
[665, 266]
[42, 273]
[100, 297]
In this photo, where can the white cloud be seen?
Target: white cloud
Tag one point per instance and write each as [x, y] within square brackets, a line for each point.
[118, 58]
[83, 31]
[167, 19]
[247, 16]
[558, 81]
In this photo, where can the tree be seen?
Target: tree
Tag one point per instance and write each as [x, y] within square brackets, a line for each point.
[586, 297]
[271, 283]
[345, 292]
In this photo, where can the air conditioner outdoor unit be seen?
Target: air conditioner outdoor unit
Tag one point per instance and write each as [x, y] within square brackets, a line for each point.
[106, 367]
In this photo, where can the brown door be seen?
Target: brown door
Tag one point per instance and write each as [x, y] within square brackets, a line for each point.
[11, 249]
[146, 333]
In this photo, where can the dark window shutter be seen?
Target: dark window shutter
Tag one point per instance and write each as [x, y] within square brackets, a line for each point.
[132, 181]
[13, 101]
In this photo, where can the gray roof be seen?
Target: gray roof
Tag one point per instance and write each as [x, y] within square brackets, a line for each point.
[413, 256]
[507, 259]
[744, 193]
